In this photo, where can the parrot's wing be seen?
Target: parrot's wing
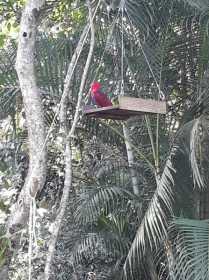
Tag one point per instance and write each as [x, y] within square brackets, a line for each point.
[93, 100]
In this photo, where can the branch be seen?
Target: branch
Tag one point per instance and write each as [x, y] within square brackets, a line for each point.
[68, 152]
[85, 73]
[68, 79]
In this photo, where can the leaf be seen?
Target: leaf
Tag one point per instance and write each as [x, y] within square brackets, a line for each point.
[191, 239]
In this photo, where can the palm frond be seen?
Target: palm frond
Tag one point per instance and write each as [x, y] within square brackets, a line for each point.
[201, 5]
[91, 244]
[9, 87]
[197, 148]
[94, 201]
[195, 161]
[154, 226]
[191, 239]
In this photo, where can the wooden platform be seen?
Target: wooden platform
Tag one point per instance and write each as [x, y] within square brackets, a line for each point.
[127, 107]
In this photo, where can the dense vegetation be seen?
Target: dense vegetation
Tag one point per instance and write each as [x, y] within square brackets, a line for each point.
[139, 218]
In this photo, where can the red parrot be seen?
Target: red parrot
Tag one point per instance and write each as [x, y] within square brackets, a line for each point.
[98, 96]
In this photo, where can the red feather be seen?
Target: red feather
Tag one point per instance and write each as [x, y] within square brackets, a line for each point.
[95, 86]
[99, 97]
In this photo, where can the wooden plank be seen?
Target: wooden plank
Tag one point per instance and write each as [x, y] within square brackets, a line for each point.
[142, 105]
[128, 107]
[95, 110]
[109, 116]
[110, 112]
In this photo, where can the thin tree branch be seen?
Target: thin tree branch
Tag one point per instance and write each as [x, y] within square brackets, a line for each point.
[68, 152]
[68, 79]
[85, 73]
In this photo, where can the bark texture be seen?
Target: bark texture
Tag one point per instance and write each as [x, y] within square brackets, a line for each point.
[33, 112]
[130, 156]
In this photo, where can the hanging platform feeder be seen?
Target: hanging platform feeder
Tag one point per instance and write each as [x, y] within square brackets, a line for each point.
[127, 107]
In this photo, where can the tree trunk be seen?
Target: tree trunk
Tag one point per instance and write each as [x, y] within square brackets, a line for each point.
[33, 112]
[130, 156]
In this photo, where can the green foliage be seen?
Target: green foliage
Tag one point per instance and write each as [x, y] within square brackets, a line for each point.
[204, 57]
[3, 207]
[8, 8]
[69, 17]
[201, 5]
[4, 249]
[190, 239]
[105, 211]
[165, 49]
[9, 26]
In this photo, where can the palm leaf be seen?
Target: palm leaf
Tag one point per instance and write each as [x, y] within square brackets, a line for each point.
[201, 5]
[191, 249]
[94, 201]
[9, 87]
[154, 226]
[90, 244]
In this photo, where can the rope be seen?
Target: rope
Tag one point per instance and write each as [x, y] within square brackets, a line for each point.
[161, 94]
[122, 4]
[122, 47]
[109, 35]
